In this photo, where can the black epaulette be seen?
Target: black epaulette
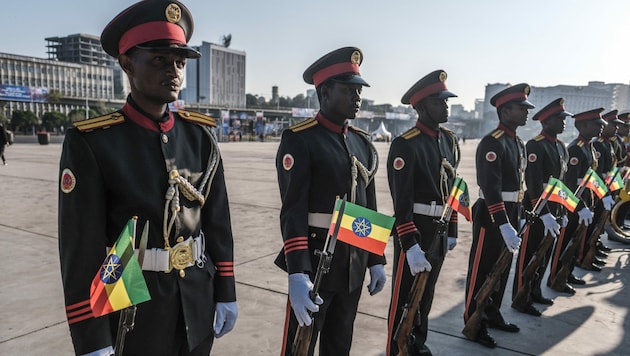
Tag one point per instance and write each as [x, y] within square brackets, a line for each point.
[497, 133]
[411, 133]
[580, 143]
[358, 130]
[197, 117]
[538, 138]
[100, 122]
[303, 125]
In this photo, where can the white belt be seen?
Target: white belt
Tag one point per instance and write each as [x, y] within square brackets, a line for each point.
[182, 255]
[428, 209]
[506, 196]
[320, 220]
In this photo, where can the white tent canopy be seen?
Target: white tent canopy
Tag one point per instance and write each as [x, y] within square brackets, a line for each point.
[381, 133]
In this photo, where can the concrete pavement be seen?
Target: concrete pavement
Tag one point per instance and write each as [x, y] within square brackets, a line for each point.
[593, 322]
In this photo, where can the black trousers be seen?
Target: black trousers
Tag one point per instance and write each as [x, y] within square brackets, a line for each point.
[532, 238]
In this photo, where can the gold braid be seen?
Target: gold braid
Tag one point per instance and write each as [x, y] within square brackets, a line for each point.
[359, 169]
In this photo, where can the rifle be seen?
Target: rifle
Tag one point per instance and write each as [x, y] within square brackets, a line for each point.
[473, 324]
[128, 315]
[588, 259]
[521, 299]
[303, 334]
[403, 336]
[566, 258]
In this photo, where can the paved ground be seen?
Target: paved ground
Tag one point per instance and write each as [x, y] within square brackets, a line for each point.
[593, 322]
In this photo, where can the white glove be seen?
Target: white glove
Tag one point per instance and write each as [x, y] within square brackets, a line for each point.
[106, 351]
[585, 216]
[451, 243]
[551, 225]
[608, 202]
[377, 279]
[299, 288]
[226, 314]
[510, 236]
[417, 260]
[565, 221]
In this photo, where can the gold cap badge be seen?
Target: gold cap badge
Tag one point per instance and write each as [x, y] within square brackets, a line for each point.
[355, 58]
[442, 76]
[173, 13]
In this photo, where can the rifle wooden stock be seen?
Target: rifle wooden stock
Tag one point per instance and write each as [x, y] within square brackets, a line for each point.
[403, 332]
[588, 259]
[473, 324]
[566, 259]
[521, 300]
[302, 340]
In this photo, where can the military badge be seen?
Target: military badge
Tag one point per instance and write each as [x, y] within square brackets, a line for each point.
[532, 157]
[491, 156]
[173, 13]
[573, 161]
[398, 163]
[68, 181]
[355, 58]
[597, 154]
[287, 162]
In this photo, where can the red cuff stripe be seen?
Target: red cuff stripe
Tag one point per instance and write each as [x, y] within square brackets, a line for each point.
[453, 218]
[78, 312]
[534, 201]
[494, 208]
[406, 228]
[295, 244]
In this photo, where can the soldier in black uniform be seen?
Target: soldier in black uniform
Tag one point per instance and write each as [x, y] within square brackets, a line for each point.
[617, 141]
[421, 169]
[547, 156]
[606, 160]
[581, 158]
[500, 161]
[163, 167]
[318, 160]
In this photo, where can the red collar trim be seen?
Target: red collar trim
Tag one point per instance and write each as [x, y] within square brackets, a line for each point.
[144, 121]
[427, 130]
[510, 133]
[331, 126]
[549, 137]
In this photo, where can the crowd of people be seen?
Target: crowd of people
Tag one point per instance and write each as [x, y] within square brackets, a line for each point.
[164, 168]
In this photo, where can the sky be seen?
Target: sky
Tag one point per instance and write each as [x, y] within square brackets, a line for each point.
[543, 43]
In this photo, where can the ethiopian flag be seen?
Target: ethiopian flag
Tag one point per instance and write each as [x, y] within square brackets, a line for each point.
[362, 227]
[614, 180]
[459, 199]
[558, 192]
[119, 282]
[595, 183]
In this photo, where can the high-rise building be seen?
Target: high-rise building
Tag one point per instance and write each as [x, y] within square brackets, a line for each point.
[78, 48]
[217, 78]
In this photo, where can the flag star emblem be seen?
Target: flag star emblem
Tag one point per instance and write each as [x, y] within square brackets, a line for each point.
[111, 270]
[361, 227]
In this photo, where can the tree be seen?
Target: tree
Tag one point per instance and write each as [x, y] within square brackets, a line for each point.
[79, 114]
[23, 120]
[54, 119]
[299, 101]
[54, 96]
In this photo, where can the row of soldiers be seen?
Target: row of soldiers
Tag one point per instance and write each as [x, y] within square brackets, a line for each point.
[164, 169]
[312, 164]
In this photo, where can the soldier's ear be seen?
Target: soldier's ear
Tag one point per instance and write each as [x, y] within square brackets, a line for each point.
[125, 63]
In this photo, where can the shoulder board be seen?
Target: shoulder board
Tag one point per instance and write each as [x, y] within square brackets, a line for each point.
[613, 139]
[538, 138]
[497, 133]
[600, 139]
[580, 143]
[197, 117]
[447, 130]
[411, 133]
[303, 125]
[100, 122]
[359, 130]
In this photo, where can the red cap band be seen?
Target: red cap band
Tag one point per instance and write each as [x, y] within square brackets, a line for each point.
[426, 91]
[334, 70]
[151, 31]
[514, 96]
[544, 115]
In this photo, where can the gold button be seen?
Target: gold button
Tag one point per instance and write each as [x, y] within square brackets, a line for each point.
[180, 239]
[164, 138]
[313, 235]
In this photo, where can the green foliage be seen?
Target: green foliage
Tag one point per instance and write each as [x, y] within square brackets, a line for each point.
[55, 119]
[54, 96]
[23, 120]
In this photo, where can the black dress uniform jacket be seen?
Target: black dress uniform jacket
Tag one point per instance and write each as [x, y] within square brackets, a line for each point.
[500, 168]
[115, 167]
[417, 174]
[547, 156]
[619, 147]
[318, 161]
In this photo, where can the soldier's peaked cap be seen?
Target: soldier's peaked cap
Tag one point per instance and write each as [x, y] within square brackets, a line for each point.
[595, 114]
[611, 117]
[432, 84]
[150, 24]
[341, 65]
[517, 93]
[555, 108]
[625, 117]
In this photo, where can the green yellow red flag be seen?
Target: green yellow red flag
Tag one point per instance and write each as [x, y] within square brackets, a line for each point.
[595, 183]
[614, 180]
[559, 193]
[119, 282]
[362, 227]
[459, 199]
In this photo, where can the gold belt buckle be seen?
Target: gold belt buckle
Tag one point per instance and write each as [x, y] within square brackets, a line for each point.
[180, 257]
[521, 195]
